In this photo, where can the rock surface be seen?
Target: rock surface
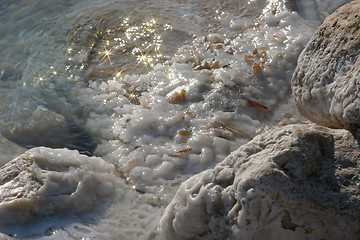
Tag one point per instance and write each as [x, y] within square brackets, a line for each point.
[326, 82]
[44, 181]
[295, 182]
[44, 127]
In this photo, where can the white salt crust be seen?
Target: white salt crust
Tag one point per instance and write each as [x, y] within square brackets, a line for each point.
[44, 181]
[156, 145]
[326, 81]
[287, 183]
[147, 141]
[45, 189]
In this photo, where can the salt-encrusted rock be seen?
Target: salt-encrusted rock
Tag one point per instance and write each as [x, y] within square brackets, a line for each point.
[44, 181]
[295, 182]
[326, 82]
[44, 127]
[6, 237]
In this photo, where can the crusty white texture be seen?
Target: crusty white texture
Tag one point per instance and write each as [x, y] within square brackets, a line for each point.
[295, 182]
[326, 82]
[145, 140]
[75, 190]
[43, 181]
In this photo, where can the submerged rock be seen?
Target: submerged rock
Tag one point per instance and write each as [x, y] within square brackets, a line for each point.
[295, 182]
[45, 181]
[50, 129]
[326, 82]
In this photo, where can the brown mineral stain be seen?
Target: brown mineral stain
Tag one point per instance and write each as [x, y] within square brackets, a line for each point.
[178, 97]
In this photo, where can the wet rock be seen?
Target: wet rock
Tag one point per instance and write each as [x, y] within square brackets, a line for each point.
[295, 182]
[9, 150]
[50, 129]
[8, 74]
[6, 237]
[45, 181]
[326, 82]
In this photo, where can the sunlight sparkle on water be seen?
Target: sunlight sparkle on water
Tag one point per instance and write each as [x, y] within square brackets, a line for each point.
[106, 54]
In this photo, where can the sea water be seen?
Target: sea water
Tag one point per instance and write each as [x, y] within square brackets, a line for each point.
[161, 89]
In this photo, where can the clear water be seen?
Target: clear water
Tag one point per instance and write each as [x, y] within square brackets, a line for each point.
[51, 51]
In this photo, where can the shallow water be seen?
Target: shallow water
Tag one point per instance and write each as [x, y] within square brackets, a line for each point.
[46, 49]
[107, 75]
[37, 72]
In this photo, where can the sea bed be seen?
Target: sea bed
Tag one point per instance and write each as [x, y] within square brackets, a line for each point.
[158, 116]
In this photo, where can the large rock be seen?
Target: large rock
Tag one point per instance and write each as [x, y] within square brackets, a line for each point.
[326, 82]
[295, 182]
[45, 181]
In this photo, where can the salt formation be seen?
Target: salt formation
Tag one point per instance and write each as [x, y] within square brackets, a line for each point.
[326, 82]
[44, 127]
[179, 118]
[294, 182]
[45, 189]
[44, 181]
[161, 117]
[5, 237]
